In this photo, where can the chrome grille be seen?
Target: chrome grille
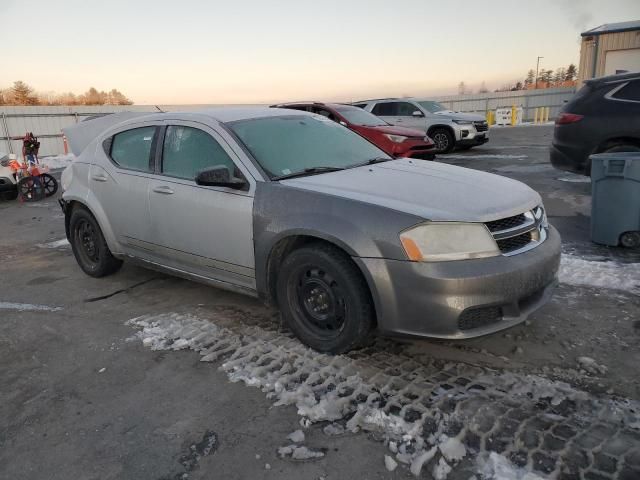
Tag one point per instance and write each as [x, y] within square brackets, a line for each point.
[481, 126]
[519, 233]
[506, 223]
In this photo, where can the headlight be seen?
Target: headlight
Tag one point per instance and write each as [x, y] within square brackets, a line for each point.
[395, 138]
[448, 241]
[463, 122]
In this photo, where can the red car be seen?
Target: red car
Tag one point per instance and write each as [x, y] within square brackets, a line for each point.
[394, 141]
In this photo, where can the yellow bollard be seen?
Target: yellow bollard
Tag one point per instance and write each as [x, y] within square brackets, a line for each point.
[513, 115]
[546, 114]
[490, 119]
[535, 115]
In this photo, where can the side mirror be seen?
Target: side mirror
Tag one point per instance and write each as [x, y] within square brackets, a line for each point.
[417, 113]
[219, 176]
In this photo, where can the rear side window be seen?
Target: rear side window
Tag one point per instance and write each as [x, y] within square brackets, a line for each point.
[189, 150]
[631, 92]
[385, 109]
[132, 148]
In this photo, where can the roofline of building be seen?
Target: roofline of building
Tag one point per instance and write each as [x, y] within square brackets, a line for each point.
[590, 33]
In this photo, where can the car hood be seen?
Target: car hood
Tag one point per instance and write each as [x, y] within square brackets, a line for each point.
[433, 191]
[406, 132]
[473, 117]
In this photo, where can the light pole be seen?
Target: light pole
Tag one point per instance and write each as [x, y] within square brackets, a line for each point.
[537, 68]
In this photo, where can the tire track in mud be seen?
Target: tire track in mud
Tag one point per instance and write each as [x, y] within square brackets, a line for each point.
[418, 405]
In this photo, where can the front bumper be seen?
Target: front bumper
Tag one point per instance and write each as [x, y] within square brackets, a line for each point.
[474, 139]
[444, 299]
[7, 184]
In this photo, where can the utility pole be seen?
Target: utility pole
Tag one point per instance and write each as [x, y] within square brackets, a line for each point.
[537, 68]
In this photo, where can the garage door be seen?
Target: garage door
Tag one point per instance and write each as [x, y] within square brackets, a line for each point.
[622, 61]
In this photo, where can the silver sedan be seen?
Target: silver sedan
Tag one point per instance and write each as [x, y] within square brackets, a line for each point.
[303, 213]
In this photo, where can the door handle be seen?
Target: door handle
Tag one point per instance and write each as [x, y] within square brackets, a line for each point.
[163, 189]
[99, 178]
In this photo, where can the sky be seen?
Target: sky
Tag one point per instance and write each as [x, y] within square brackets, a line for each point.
[260, 51]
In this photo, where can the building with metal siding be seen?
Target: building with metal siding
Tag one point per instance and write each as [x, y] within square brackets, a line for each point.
[609, 49]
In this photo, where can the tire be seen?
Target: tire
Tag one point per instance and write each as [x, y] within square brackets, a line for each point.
[623, 148]
[630, 239]
[89, 246]
[324, 299]
[10, 195]
[50, 184]
[30, 189]
[443, 139]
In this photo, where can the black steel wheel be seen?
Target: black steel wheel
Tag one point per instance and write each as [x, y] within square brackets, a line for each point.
[89, 246]
[443, 140]
[49, 184]
[30, 189]
[630, 239]
[324, 299]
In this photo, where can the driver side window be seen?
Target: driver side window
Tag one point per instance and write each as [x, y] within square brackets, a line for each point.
[188, 150]
[406, 109]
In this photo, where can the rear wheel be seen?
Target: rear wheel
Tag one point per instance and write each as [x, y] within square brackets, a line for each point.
[49, 184]
[89, 246]
[443, 140]
[324, 299]
[623, 147]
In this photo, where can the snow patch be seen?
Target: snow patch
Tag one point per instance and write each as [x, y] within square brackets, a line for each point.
[424, 410]
[56, 244]
[497, 467]
[452, 449]
[55, 162]
[299, 453]
[296, 437]
[389, 463]
[333, 429]
[611, 275]
[27, 307]
[441, 470]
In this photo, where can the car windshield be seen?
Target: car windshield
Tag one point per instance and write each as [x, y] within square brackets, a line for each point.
[432, 106]
[285, 145]
[357, 116]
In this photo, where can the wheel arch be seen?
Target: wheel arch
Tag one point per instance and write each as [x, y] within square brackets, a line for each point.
[438, 126]
[612, 142]
[295, 240]
[99, 216]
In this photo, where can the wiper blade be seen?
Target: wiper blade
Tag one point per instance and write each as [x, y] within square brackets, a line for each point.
[372, 161]
[308, 171]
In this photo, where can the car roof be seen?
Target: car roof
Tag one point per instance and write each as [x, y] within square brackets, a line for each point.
[620, 77]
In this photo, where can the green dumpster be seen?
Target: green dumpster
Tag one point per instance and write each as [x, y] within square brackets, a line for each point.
[615, 199]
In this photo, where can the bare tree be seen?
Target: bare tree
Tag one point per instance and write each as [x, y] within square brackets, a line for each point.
[572, 72]
[22, 94]
[462, 88]
[531, 76]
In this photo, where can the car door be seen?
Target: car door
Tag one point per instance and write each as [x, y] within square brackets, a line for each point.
[119, 180]
[406, 118]
[203, 230]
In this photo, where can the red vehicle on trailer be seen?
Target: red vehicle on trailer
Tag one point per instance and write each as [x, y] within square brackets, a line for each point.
[394, 141]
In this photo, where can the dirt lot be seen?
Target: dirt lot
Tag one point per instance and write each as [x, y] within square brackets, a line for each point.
[146, 376]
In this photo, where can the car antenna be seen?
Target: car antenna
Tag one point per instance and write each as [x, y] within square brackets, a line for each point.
[159, 109]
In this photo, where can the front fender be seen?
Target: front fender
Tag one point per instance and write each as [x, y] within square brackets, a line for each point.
[360, 229]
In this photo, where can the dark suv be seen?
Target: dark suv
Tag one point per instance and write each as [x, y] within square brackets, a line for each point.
[604, 116]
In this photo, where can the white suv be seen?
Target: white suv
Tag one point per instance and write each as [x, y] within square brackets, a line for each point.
[448, 129]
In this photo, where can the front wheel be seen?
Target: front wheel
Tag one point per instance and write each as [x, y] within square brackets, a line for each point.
[49, 184]
[443, 140]
[89, 246]
[324, 299]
